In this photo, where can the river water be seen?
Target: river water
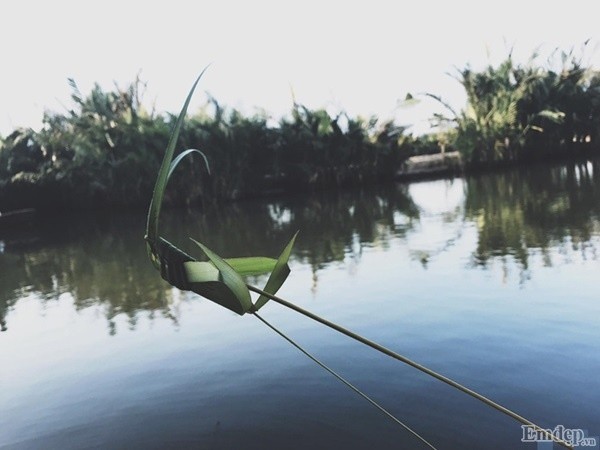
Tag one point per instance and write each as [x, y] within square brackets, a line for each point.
[490, 280]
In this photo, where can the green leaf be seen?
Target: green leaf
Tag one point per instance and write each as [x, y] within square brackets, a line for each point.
[200, 271]
[279, 274]
[239, 293]
[252, 265]
[163, 177]
[182, 155]
[206, 281]
[219, 293]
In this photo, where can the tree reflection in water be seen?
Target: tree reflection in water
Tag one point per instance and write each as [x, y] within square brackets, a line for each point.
[533, 210]
[100, 259]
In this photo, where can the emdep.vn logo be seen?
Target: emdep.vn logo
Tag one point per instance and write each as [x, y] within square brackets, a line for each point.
[574, 437]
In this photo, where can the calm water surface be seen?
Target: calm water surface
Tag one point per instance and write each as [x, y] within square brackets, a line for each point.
[492, 281]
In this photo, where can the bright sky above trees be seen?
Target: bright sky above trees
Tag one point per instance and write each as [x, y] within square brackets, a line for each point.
[358, 56]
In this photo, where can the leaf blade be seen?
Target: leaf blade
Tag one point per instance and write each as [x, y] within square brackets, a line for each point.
[279, 274]
[182, 155]
[252, 265]
[163, 177]
[200, 271]
[230, 278]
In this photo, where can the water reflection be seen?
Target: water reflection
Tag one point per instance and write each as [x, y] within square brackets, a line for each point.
[94, 259]
[100, 259]
[533, 210]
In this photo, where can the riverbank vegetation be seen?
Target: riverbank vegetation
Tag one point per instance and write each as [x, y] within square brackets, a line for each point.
[106, 149]
[525, 112]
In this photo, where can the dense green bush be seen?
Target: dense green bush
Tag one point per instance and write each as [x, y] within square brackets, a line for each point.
[106, 152]
[107, 149]
[526, 112]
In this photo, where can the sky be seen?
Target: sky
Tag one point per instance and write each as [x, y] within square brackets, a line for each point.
[360, 57]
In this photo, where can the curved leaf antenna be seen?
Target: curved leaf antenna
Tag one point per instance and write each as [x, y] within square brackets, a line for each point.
[182, 155]
[161, 182]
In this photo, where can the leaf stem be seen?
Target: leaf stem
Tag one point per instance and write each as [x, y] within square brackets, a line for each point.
[412, 363]
[346, 382]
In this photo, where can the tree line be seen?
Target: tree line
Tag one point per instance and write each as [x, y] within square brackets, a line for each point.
[106, 149]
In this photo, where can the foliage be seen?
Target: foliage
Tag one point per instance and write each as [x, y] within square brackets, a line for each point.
[106, 150]
[98, 153]
[524, 112]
